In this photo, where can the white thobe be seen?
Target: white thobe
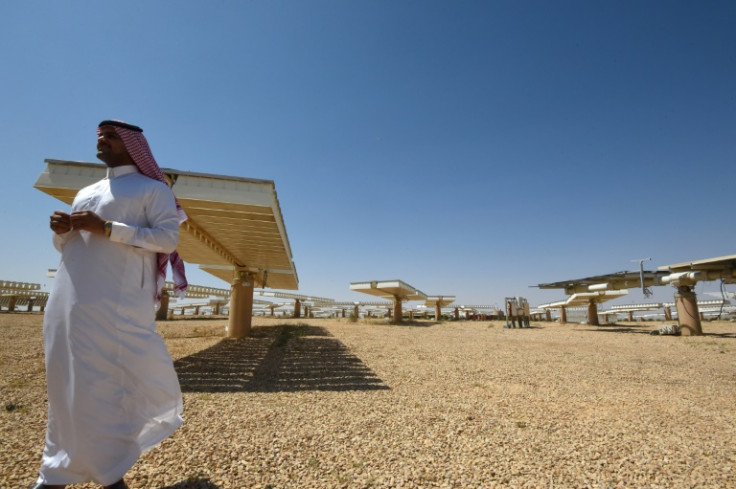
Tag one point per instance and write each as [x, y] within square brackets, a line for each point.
[112, 389]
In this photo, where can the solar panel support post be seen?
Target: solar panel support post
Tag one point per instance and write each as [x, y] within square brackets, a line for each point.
[241, 305]
[163, 308]
[593, 314]
[687, 311]
[397, 319]
[667, 313]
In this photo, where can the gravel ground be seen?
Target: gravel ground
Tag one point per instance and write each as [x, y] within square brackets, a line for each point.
[332, 404]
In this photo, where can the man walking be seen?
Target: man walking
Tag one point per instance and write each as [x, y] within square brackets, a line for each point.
[112, 389]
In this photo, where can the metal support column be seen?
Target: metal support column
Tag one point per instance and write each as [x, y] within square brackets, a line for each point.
[241, 305]
[687, 311]
[163, 309]
[397, 319]
[593, 314]
[667, 313]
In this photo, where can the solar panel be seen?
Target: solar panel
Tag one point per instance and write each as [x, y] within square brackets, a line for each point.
[235, 224]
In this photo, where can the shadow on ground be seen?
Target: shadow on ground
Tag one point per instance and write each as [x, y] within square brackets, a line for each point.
[619, 328]
[193, 484]
[644, 329]
[406, 323]
[284, 358]
[731, 336]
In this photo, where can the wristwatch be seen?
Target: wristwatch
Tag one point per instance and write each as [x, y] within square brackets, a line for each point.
[108, 228]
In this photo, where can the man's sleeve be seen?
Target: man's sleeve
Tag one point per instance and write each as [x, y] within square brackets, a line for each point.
[162, 235]
[60, 239]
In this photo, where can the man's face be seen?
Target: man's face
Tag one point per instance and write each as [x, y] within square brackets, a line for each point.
[111, 149]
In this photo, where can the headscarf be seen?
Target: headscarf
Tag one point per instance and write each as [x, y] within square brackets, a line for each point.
[138, 149]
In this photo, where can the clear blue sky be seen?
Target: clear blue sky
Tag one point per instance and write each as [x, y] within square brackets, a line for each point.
[472, 148]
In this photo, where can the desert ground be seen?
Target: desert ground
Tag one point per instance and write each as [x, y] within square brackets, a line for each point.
[330, 403]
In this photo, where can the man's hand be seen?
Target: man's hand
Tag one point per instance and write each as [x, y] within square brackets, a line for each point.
[60, 222]
[88, 221]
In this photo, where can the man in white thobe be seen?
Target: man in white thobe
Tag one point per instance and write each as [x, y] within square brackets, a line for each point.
[112, 389]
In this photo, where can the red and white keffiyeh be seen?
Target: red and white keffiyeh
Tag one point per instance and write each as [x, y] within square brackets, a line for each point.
[137, 146]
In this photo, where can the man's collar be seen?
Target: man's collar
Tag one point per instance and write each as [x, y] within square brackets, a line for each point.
[119, 171]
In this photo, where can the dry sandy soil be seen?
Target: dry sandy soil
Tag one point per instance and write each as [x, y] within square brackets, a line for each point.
[332, 404]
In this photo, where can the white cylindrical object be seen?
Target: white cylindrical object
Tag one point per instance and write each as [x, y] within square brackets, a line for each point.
[597, 287]
[683, 278]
